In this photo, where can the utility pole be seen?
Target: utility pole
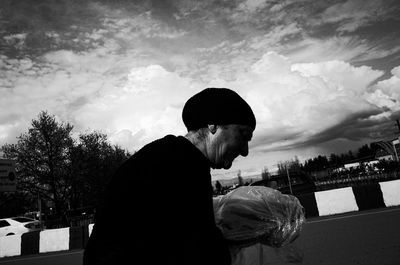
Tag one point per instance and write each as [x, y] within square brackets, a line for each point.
[395, 152]
[398, 138]
[288, 177]
[40, 209]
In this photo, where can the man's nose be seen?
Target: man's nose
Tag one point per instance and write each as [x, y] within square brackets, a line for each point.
[245, 150]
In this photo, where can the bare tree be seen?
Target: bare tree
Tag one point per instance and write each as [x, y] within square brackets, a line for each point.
[265, 175]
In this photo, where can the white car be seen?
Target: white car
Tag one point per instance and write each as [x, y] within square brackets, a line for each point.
[18, 225]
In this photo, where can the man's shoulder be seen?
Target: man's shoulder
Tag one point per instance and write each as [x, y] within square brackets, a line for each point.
[170, 145]
[154, 156]
[166, 142]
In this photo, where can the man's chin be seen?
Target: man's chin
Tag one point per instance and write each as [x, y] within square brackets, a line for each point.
[227, 165]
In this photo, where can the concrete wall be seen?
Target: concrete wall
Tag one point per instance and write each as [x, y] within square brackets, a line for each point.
[384, 194]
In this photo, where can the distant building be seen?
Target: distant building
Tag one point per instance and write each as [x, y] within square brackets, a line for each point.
[384, 157]
[388, 150]
[353, 165]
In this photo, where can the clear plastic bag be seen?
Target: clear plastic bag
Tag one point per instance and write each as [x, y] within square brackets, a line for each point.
[255, 214]
[260, 254]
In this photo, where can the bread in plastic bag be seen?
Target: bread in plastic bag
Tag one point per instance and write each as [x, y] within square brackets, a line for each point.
[255, 214]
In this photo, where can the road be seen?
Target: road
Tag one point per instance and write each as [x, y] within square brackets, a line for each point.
[56, 258]
[365, 238]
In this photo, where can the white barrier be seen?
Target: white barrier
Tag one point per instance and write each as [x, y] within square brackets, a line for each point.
[10, 246]
[54, 240]
[90, 229]
[336, 201]
[391, 192]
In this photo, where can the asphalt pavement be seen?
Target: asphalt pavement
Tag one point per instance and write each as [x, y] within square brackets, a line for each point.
[364, 238]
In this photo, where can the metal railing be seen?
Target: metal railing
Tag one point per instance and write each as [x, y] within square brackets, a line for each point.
[349, 180]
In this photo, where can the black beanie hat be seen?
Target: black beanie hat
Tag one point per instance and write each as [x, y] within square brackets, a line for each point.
[219, 106]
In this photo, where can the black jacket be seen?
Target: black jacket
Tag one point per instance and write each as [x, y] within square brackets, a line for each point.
[158, 210]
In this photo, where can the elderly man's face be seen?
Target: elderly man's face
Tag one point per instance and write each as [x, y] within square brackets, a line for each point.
[229, 142]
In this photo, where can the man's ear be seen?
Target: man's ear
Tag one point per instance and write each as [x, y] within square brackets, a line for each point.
[212, 128]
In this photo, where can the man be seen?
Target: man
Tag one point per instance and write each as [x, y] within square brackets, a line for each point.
[158, 208]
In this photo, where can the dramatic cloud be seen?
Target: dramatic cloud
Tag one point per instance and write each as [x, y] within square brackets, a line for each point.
[308, 104]
[386, 93]
[321, 76]
[351, 15]
[304, 99]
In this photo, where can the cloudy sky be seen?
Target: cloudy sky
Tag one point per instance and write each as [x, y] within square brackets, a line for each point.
[321, 76]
